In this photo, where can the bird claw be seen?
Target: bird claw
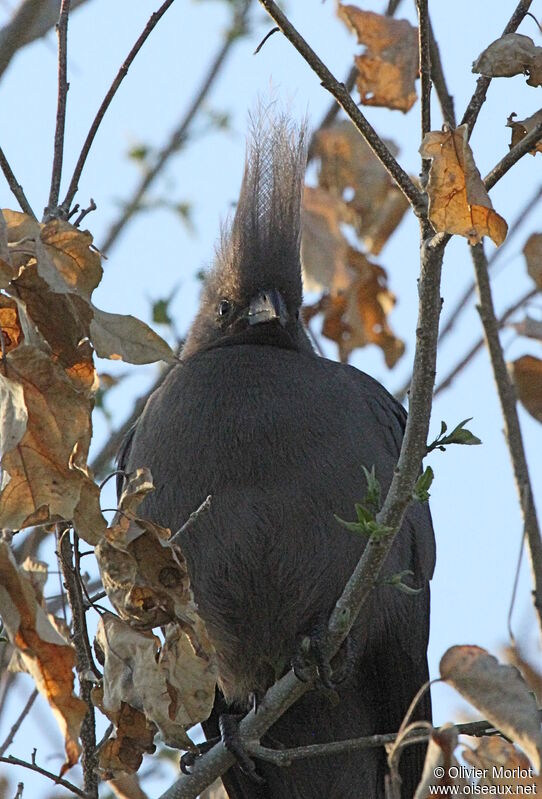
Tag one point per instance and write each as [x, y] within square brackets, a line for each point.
[312, 655]
[229, 733]
[189, 758]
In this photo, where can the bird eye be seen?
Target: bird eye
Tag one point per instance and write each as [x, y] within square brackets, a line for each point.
[224, 307]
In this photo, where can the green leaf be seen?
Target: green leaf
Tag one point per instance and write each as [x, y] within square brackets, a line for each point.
[372, 497]
[139, 153]
[459, 435]
[423, 484]
[160, 314]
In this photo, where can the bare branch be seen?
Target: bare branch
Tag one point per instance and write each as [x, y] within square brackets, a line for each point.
[482, 84]
[15, 761]
[85, 664]
[424, 50]
[467, 358]
[512, 157]
[180, 132]
[123, 71]
[512, 429]
[15, 187]
[15, 727]
[32, 20]
[343, 97]
[58, 156]
[439, 81]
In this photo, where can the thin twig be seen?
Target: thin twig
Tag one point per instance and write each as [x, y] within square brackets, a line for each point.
[512, 429]
[15, 186]
[513, 156]
[179, 134]
[439, 81]
[343, 97]
[58, 155]
[85, 664]
[15, 727]
[12, 36]
[467, 358]
[424, 51]
[482, 85]
[121, 74]
[15, 761]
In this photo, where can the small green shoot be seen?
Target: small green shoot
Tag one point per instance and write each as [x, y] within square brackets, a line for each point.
[423, 484]
[459, 435]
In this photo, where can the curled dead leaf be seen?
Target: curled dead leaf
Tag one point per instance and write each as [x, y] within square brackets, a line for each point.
[126, 338]
[512, 54]
[389, 67]
[458, 200]
[521, 127]
[45, 654]
[323, 245]
[501, 764]
[526, 373]
[498, 692]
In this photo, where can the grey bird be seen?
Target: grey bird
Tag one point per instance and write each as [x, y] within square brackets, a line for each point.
[278, 436]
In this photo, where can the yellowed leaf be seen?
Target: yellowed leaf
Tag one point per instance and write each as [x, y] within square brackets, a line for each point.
[348, 164]
[527, 376]
[46, 655]
[458, 200]
[498, 692]
[10, 325]
[389, 67]
[512, 54]
[533, 255]
[521, 127]
[126, 338]
[45, 484]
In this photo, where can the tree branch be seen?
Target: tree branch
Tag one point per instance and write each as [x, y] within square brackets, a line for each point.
[58, 155]
[32, 20]
[15, 727]
[482, 84]
[424, 54]
[15, 187]
[180, 132]
[85, 664]
[439, 81]
[121, 74]
[512, 157]
[512, 429]
[329, 82]
[14, 761]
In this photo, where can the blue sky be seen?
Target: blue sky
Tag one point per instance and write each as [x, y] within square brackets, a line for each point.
[474, 503]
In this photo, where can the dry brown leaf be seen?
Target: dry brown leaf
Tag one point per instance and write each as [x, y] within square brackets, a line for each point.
[126, 786]
[348, 163]
[357, 315]
[46, 655]
[171, 685]
[70, 263]
[440, 755]
[45, 483]
[6, 273]
[531, 674]
[512, 54]
[498, 692]
[533, 255]
[527, 376]
[521, 127]
[532, 328]
[126, 338]
[389, 67]
[10, 325]
[458, 200]
[323, 246]
[501, 764]
[134, 736]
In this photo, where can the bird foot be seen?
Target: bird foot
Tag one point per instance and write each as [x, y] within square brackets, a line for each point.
[189, 758]
[312, 656]
[229, 733]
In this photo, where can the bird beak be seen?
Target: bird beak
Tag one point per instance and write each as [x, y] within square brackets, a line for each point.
[267, 306]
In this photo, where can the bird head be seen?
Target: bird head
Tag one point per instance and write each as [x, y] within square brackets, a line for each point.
[253, 293]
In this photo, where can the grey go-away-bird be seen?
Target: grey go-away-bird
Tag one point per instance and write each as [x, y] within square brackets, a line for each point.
[278, 436]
